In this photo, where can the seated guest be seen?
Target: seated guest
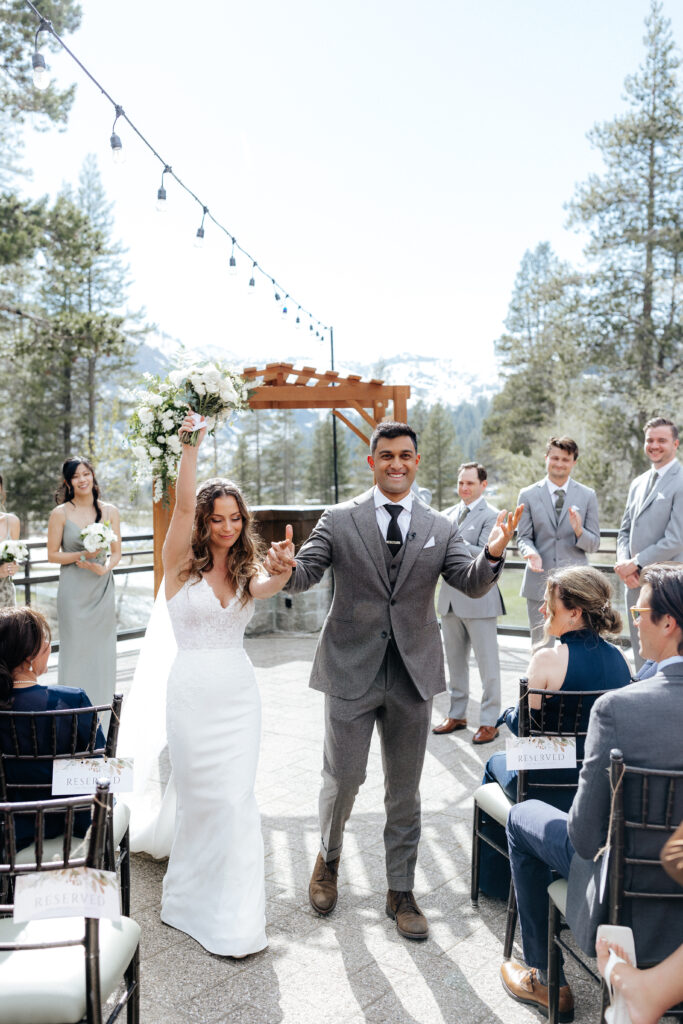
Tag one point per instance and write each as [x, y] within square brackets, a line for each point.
[643, 721]
[24, 653]
[578, 611]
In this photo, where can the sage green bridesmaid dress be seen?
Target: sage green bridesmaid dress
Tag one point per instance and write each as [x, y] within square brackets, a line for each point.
[86, 613]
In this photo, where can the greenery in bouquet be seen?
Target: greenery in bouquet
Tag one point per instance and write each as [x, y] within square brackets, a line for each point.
[211, 390]
[153, 432]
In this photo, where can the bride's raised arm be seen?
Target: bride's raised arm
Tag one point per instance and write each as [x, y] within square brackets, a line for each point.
[178, 542]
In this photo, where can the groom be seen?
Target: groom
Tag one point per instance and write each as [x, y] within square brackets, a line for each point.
[379, 658]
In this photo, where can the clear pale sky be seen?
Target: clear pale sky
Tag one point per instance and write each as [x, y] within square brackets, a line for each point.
[387, 162]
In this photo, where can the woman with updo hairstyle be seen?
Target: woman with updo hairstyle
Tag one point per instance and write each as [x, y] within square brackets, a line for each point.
[24, 653]
[9, 530]
[579, 613]
[86, 609]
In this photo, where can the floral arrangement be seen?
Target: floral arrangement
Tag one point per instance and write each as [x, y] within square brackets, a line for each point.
[13, 551]
[209, 389]
[212, 392]
[98, 537]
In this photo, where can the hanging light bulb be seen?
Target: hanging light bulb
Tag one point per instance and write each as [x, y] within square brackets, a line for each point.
[41, 79]
[161, 192]
[232, 265]
[252, 281]
[199, 237]
[297, 322]
[284, 310]
[115, 142]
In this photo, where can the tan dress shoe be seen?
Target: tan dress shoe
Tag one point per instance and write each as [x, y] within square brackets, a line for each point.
[522, 984]
[450, 725]
[322, 889]
[410, 921]
[485, 734]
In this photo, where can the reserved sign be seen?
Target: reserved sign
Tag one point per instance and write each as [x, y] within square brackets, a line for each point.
[78, 776]
[69, 892]
[540, 752]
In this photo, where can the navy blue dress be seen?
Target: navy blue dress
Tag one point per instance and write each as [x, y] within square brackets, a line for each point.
[44, 698]
[594, 664]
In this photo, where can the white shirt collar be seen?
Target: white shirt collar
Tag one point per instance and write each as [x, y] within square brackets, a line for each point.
[381, 500]
[664, 469]
[669, 661]
[474, 503]
[554, 487]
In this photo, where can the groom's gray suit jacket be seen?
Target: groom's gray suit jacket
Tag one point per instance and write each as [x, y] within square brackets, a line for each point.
[643, 720]
[652, 526]
[365, 610]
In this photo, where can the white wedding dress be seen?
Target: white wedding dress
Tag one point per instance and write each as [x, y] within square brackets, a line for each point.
[214, 888]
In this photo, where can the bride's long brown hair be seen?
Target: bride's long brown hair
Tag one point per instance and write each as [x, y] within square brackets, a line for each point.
[244, 558]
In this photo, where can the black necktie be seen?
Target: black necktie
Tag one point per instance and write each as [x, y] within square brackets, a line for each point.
[559, 503]
[394, 538]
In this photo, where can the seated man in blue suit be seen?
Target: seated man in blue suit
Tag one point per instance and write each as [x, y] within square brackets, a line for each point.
[643, 721]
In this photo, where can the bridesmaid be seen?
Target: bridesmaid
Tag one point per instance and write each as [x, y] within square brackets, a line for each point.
[86, 609]
[9, 530]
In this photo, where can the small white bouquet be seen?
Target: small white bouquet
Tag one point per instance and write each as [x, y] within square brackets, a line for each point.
[212, 391]
[153, 432]
[98, 537]
[13, 551]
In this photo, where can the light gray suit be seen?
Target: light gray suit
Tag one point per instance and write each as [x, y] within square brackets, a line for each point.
[651, 530]
[541, 533]
[642, 720]
[470, 622]
[380, 659]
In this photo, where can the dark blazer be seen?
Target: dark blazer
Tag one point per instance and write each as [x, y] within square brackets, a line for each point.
[643, 720]
[365, 611]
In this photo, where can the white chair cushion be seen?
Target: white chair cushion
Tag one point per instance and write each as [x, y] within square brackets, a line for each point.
[53, 849]
[494, 801]
[47, 986]
[557, 891]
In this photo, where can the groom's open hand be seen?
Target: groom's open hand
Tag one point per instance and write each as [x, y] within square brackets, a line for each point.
[503, 531]
[280, 557]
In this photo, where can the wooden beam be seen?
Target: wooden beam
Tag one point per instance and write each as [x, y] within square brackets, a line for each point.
[366, 416]
[401, 396]
[351, 426]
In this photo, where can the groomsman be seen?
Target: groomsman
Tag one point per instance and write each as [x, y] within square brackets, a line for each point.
[652, 527]
[559, 526]
[470, 622]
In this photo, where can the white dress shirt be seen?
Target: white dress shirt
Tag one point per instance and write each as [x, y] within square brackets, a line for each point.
[383, 517]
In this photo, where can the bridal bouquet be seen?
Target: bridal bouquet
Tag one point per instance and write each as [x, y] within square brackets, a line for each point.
[13, 551]
[212, 391]
[153, 432]
[98, 537]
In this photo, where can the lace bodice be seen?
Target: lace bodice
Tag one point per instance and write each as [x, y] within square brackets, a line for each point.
[200, 622]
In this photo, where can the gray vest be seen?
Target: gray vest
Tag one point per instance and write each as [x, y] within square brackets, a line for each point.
[393, 562]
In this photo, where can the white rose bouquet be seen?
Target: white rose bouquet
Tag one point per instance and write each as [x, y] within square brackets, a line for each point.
[13, 551]
[153, 432]
[98, 537]
[212, 391]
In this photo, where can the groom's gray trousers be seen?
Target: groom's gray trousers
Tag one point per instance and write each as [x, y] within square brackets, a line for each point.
[403, 721]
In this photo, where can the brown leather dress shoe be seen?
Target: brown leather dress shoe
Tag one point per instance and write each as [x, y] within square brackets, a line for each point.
[485, 734]
[450, 725]
[322, 889]
[410, 921]
[523, 985]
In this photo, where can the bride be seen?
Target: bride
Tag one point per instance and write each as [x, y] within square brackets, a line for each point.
[214, 888]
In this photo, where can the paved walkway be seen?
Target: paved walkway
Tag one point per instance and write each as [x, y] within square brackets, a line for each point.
[352, 966]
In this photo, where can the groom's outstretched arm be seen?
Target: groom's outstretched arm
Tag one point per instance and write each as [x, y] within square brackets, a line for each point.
[314, 556]
[476, 576]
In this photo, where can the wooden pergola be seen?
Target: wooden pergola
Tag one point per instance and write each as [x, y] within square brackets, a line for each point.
[280, 386]
[309, 389]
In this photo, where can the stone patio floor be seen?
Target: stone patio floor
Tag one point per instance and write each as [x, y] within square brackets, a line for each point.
[352, 966]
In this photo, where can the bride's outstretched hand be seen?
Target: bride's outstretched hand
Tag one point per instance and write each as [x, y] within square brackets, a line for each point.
[188, 426]
[280, 557]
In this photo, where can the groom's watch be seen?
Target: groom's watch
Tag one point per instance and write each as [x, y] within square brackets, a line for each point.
[492, 558]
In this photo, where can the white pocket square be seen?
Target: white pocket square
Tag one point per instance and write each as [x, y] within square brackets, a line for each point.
[660, 496]
[430, 543]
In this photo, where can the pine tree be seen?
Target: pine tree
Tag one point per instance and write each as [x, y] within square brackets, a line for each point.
[319, 475]
[441, 457]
